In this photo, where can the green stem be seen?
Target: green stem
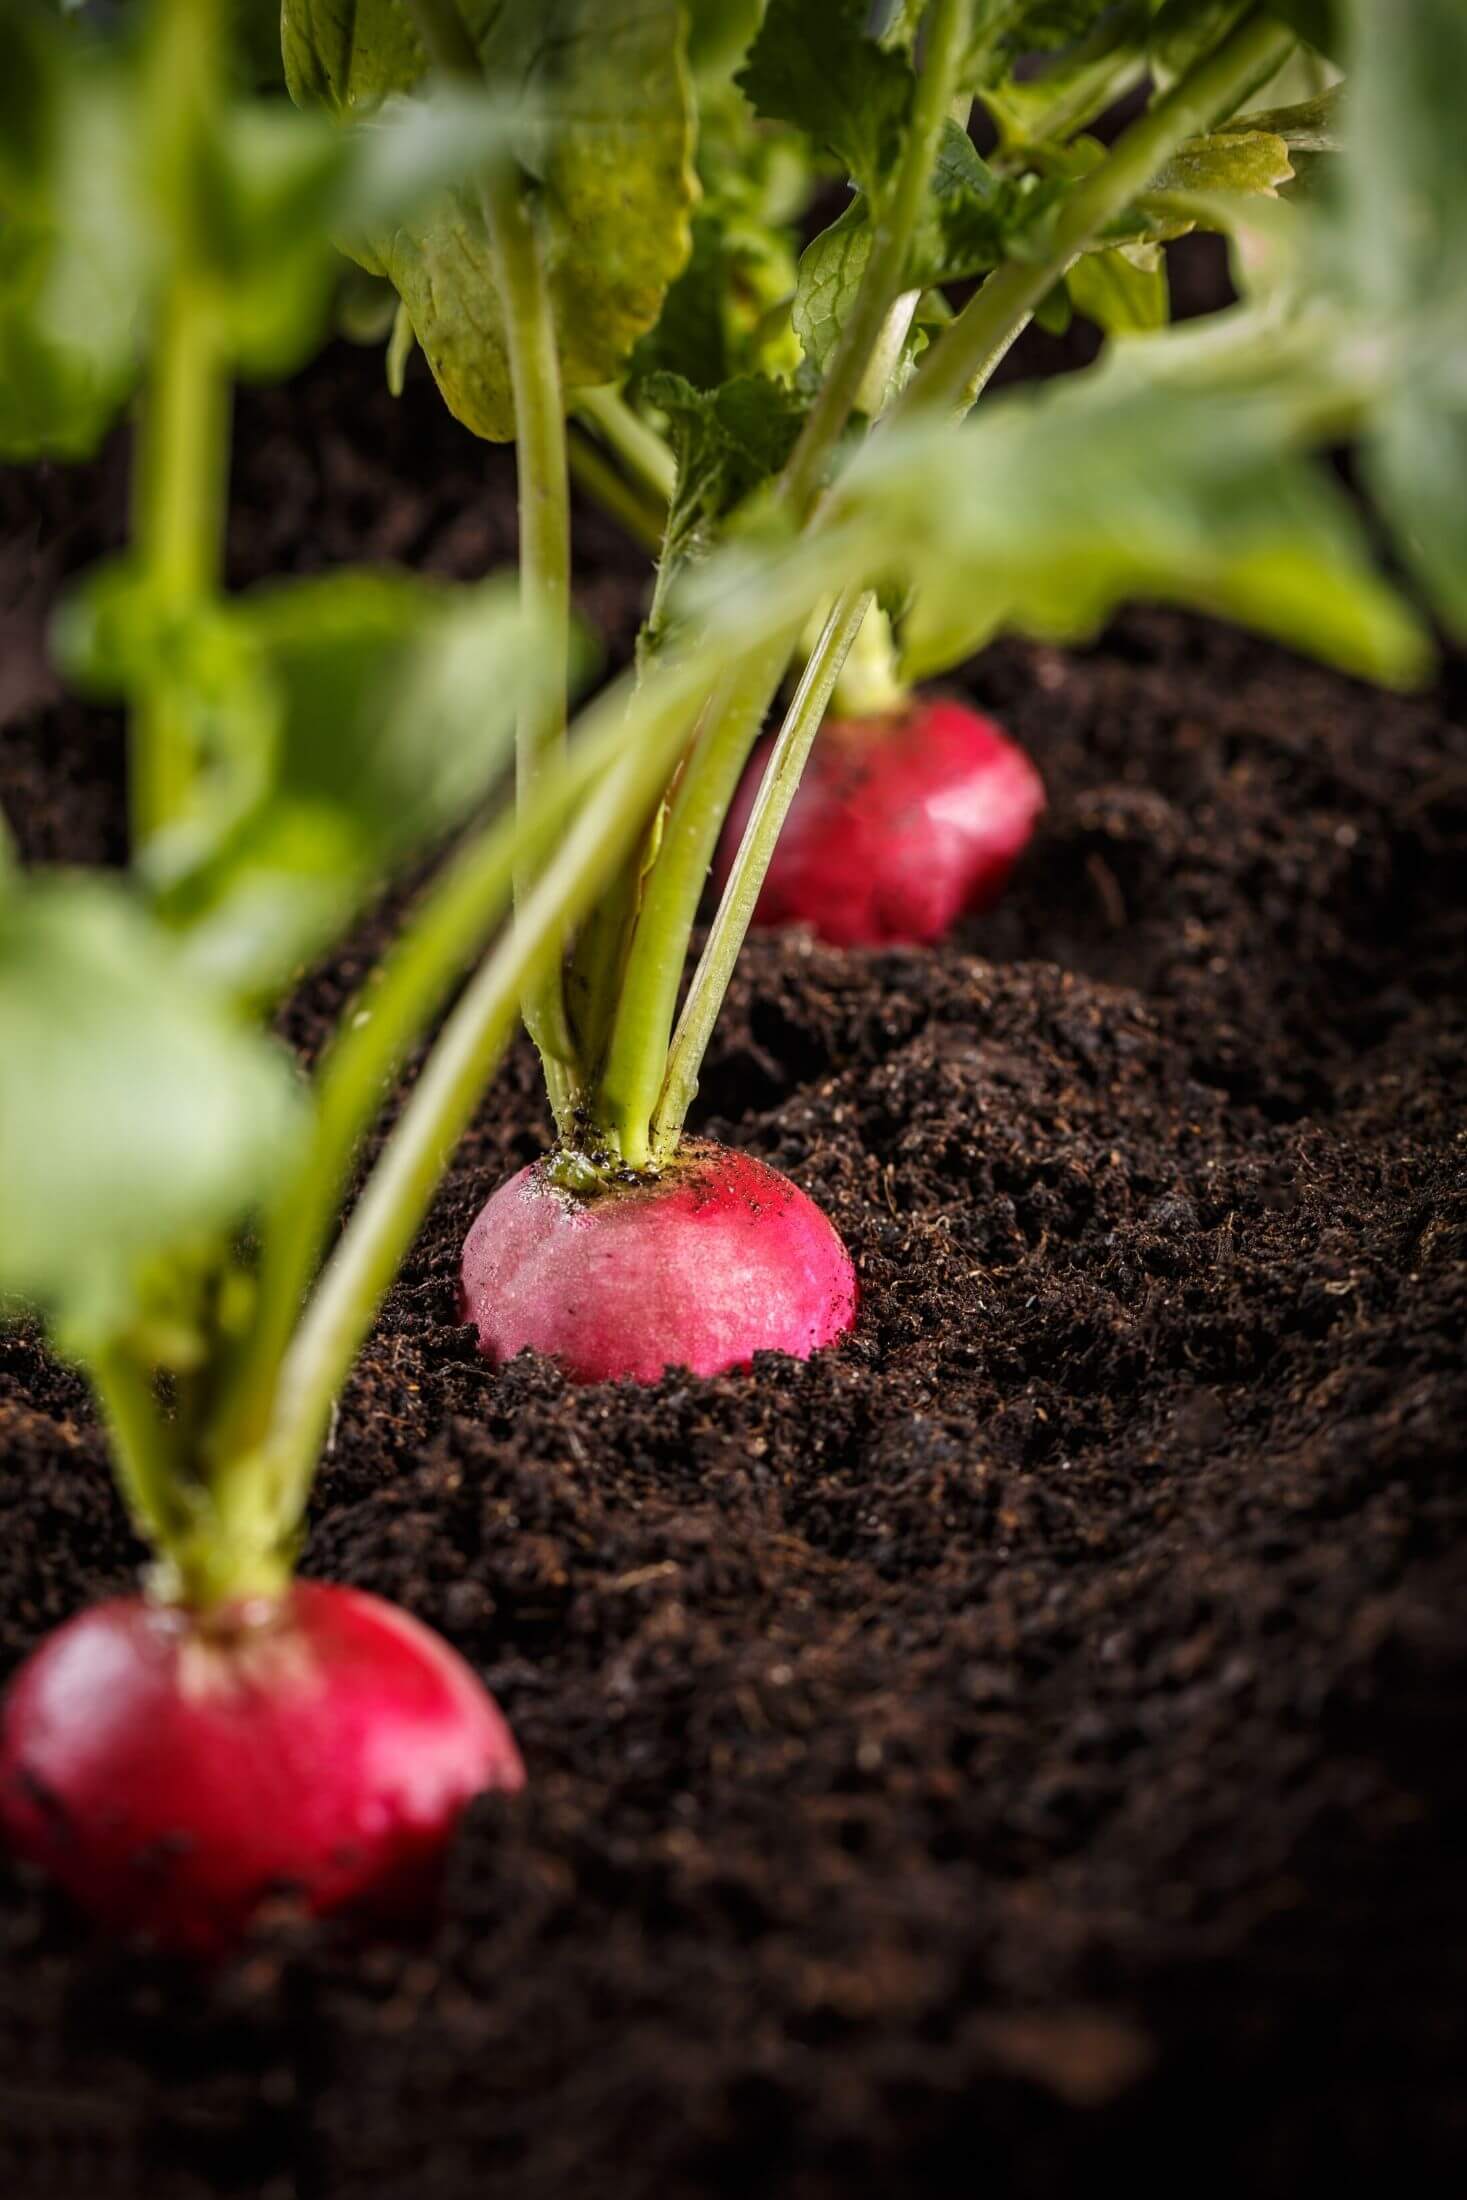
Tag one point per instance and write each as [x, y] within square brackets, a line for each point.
[545, 557]
[181, 457]
[640, 449]
[636, 1060]
[961, 362]
[144, 1456]
[540, 449]
[593, 472]
[726, 936]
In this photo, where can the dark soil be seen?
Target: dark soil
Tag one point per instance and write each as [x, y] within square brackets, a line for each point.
[1025, 1746]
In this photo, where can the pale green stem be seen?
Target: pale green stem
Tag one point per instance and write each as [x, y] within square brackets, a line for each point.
[545, 557]
[181, 458]
[143, 1453]
[594, 473]
[639, 447]
[777, 791]
[636, 1059]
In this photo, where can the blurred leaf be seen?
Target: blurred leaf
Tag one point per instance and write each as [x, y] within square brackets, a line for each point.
[138, 1118]
[339, 724]
[816, 68]
[77, 250]
[1048, 511]
[393, 707]
[1403, 242]
[719, 34]
[1124, 291]
[1241, 159]
[603, 127]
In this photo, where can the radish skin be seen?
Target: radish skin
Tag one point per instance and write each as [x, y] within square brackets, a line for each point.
[901, 825]
[718, 1258]
[173, 1772]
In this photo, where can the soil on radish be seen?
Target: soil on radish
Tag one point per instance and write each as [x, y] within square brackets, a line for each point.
[1025, 1746]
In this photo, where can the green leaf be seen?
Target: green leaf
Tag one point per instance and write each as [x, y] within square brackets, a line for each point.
[1308, 126]
[340, 723]
[1239, 159]
[78, 252]
[728, 442]
[138, 1118]
[816, 68]
[831, 268]
[1048, 511]
[1124, 291]
[603, 129]
[1404, 246]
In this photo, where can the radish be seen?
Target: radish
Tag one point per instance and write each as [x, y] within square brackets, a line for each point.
[717, 1258]
[173, 1771]
[902, 824]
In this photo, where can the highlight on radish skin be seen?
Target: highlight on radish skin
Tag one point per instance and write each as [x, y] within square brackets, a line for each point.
[718, 1258]
[901, 825]
[173, 1772]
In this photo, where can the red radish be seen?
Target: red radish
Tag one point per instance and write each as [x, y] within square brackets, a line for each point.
[718, 1258]
[172, 1771]
[901, 825]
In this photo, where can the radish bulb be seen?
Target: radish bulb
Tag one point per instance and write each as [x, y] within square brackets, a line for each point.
[174, 1771]
[701, 1267]
[902, 824]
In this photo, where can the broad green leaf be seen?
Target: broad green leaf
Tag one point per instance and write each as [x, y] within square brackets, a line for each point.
[1048, 511]
[817, 68]
[138, 1118]
[1124, 291]
[604, 131]
[1404, 245]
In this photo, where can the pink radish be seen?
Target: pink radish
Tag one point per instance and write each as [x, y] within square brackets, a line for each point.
[718, 1258]
[901, 825]
[172, 1772]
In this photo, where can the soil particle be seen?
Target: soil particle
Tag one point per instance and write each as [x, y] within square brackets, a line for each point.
[1023, 1745]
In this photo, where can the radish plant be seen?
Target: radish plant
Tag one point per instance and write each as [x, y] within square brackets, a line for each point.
[739, 419]
[584, 207]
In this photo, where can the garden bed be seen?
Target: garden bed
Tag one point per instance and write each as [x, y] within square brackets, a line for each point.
[1025, 1742]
